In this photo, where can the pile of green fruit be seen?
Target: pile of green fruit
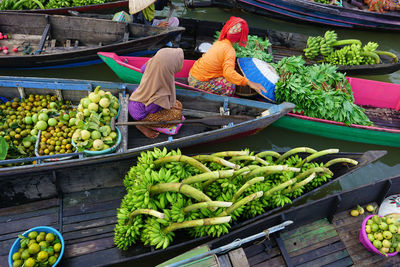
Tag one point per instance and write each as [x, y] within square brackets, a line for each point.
[349, 52]
[93, 121]
[45, 4]
[384, 234]
[38, 249]
[20, 121]
[205, 194]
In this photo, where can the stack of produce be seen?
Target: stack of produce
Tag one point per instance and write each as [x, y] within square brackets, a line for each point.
[45, 4]
[38, 249]
[167, 191]
[318, 91]
[18, 122]
[348, 52]
[93, 119]
[256, 47]
[384, 234]
[55, 131]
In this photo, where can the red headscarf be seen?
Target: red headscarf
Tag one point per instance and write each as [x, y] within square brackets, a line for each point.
[240, 37]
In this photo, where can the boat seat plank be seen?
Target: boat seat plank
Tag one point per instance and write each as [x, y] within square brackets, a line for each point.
[264, 256]
[238, 258]
[317, 253]
[24, 224]
[123, 117]
[327, 259]
[311, 238]
[89, 198]
[90, 224]
[75, 250]
[224, 261]
[37, 205]
[25, 215]
[306, 228]
[89, 216]
[89, 238]
[274, 262]
[92, 207]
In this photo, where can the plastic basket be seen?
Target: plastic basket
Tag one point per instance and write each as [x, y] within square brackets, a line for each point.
[365, 241]
[105, 151]
[16, 245]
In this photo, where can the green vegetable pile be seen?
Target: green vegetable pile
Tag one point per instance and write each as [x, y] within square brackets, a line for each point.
[350, 52]
[256, 47]
[167, 191]
[45, 4]
[319, 91]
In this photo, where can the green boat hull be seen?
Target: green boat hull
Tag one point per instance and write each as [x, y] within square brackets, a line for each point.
[339, 132]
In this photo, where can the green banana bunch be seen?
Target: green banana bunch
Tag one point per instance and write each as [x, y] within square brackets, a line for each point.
[313, 47]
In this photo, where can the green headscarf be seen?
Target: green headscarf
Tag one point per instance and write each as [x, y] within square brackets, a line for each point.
[148, 12]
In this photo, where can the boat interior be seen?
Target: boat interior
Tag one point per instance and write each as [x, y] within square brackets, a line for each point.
[34, 34]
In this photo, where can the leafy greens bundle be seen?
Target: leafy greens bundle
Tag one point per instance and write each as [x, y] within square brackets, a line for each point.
[319, 91]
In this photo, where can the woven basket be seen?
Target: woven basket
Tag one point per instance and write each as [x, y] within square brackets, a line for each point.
[243, 91]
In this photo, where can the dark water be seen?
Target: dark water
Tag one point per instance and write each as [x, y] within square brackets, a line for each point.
[271, 137]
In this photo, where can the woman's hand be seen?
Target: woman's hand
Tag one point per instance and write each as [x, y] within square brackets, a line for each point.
[163, 23]
[257, 87]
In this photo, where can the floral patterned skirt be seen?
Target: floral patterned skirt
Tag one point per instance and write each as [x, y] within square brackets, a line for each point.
[219, 85]
[175, 113]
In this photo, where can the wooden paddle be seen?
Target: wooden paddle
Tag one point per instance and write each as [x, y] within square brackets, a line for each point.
[211, 121]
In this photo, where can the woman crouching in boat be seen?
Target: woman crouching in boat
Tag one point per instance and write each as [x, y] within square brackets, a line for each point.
[155, 98]
[215, 71]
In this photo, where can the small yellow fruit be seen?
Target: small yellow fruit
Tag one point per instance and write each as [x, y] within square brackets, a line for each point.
[370, 208]
[354, 213]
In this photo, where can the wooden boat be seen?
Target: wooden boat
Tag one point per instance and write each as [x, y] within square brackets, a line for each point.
[284, 44]
[83, 207]
[47, 41]
[133, 142]
[380, 100]
[350, 15]
[107, 7]
[323, 233]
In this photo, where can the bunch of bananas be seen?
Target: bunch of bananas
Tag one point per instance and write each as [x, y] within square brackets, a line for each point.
[348, 55]
[167, 191]
[326, 44]
[313, 47]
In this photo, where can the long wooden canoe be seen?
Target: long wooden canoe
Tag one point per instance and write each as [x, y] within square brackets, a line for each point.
[81, 201]
[48, 41]
[350, 15]
[107, 7]
[115, 165]
[283, 44]
[323, 233]
[380, 100]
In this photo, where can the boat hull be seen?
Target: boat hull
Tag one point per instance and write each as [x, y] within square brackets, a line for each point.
[330, 15]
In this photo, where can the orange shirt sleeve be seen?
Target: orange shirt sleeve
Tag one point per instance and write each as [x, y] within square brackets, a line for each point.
[229, 71]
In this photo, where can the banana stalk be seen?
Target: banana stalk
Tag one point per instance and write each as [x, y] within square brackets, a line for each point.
[218, 160]
[337, 160]
[145, 211]
[230, 153]
[386, 53]
[182, 158]
[295, 151]
[215, 175]
[304, 174]
[240, 203]
[299, 184]
[245, 186]
[267, 170]
[317, 154]
[195, 223]
[347, 42]
[180, 188]
[374, 55]
[250, 158]
[268, 153]
[245, 170]
[210, 204]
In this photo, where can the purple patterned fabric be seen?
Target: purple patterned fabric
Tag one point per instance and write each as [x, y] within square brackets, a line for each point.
[139, 111]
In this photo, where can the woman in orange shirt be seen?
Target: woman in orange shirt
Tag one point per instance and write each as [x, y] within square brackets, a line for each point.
[215, 71]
